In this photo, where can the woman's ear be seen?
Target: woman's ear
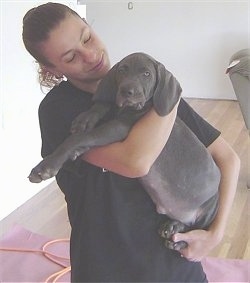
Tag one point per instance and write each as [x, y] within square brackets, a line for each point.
[167, 92]
[107, 88]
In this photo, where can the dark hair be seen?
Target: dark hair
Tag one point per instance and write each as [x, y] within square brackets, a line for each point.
[38, 22]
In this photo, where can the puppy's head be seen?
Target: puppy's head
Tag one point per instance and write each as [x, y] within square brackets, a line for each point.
[136, 79]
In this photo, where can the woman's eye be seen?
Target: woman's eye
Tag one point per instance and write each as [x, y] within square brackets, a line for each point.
[71, 59]
[87, 39]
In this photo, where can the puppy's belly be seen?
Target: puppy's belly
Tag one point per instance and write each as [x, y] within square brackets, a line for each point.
[187, 217]
[181, 198]
[183, 177]
[166, 202]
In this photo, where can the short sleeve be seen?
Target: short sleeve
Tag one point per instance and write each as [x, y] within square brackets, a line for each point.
[56, 113]
[205, 132]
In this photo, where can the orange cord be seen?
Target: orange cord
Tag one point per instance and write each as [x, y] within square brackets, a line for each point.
[51, 256]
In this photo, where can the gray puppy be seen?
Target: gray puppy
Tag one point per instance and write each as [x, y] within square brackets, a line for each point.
[183, 181]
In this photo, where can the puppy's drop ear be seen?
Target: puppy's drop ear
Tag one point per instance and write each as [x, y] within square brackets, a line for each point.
[107, 88]
[167, 92]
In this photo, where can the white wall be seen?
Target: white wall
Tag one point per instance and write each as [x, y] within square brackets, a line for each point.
[20, 96]
[194, 39]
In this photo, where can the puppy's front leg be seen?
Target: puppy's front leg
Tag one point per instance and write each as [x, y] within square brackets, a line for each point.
[75, 145]
[46, 169]
[87, 120]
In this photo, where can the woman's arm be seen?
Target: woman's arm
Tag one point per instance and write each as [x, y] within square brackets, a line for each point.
[201, 242]
[134, 156]
[229, 164]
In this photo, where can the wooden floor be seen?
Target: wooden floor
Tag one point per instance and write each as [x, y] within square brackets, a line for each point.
[46, 212]
[226, 116]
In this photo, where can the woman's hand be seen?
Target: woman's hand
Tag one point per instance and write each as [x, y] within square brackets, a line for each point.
[200, 243]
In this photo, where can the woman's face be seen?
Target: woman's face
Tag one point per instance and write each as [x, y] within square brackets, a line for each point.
[76, 52]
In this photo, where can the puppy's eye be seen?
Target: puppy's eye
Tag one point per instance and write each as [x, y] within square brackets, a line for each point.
[146, 74]
[122, 70]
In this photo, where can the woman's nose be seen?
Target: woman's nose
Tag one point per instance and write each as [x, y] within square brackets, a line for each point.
[88, 55]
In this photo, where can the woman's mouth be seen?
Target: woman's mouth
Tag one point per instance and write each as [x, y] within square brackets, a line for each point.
[98, 66]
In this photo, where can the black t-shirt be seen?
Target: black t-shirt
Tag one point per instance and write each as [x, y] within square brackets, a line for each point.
[114, 222]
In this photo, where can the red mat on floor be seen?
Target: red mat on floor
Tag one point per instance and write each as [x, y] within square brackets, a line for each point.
[36, 267]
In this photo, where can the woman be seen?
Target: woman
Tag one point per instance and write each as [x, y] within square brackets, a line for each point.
[114, 223]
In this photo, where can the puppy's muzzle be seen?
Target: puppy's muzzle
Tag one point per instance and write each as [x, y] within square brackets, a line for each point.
[131, 95]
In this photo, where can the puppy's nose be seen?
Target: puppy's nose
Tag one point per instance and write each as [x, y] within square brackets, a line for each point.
[128, 92]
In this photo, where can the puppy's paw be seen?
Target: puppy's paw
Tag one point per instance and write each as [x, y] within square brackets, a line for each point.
[46, 169]
[85, 121]
[171, 227]
[175, 246]
[168, 229]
